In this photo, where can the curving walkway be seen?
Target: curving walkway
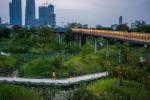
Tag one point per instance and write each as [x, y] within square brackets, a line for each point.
[66, 81]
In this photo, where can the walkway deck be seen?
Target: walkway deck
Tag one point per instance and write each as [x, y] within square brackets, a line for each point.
[66, 81]
[140, 38]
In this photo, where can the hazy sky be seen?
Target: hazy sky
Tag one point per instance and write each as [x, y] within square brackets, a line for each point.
[92, 12]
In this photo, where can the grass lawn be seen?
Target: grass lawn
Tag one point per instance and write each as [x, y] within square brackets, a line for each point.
[110, 90]
[74, 66]
[13, 92]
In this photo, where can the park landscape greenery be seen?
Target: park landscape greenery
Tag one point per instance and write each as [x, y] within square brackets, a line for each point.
[12, 92]
[37, 53]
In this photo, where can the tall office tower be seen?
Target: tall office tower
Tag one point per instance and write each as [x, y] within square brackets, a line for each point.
[15, 12]
[0, 20]
[47, 15]
[30, 12]
[10, 13]
[120, 20]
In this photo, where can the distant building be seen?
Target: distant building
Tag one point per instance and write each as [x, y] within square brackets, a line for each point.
[6, 26]
[114, 26]
[0, 20]
[34, 23]
[137, 23]
[120, 20]
[15, 12]
[47, 15]
[10, 13]
[77, 25]
[30, 12]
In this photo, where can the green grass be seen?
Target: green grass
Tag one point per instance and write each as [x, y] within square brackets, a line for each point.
[77, 65]
[43, 68]
[13, 92]
[7, 64]
[85, 65]
[110, 90]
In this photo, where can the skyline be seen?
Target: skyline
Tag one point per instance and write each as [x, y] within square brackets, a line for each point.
[103, 13]
[29, 11]
[15, 12]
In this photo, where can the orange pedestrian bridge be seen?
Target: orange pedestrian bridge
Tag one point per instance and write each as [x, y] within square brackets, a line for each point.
[134, 37]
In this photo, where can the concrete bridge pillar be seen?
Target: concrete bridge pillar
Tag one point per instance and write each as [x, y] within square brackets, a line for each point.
[107, 48]
[80, 40]
[119, 54]
[60, 38]
[95, 46]
[145, 45]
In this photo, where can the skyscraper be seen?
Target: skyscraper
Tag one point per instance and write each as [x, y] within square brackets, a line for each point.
[120, 20]
[10, 13]
[47, 15]
[0, 20]
[30, 12]
[15, 12]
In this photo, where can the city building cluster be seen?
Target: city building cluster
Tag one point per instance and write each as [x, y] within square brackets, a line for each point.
[46, 14]
[134, 24]
[114, 26]
[46, 17]
[0, 20]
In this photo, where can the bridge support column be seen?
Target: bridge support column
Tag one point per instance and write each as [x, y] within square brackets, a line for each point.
[145, 45]
[60, 38]
[95, 47]
[119, 54]
[80, 40]
[107, 49]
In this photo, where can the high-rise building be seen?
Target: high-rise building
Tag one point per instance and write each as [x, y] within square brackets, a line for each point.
[10, 13]
[0, 20]
[120, 20]
[137, 24]
[15, 12]
[114, 26]
[30, 12]
[47, 15]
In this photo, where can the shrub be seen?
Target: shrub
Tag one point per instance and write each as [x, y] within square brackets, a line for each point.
[7, 64]
[110, 90]
[13, 92]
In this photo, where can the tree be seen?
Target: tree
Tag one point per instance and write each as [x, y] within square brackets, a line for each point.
[83, 94]
[143, 28]
[45, 37]
[86, 49]
[5, 32]
[103, 28]
[123, 27]
[69, 36]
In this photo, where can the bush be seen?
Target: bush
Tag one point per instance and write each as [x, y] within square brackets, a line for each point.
[131, 73]
[85, 65]
[83, 94]
[7, 64]
[36, 68]
[110, 90]
[44, 67]
[13, 92]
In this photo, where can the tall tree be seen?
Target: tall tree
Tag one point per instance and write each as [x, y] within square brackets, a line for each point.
[123, 27]
[45, 37]
[69, 36]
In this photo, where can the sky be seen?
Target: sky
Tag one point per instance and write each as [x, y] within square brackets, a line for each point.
[92, 12]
